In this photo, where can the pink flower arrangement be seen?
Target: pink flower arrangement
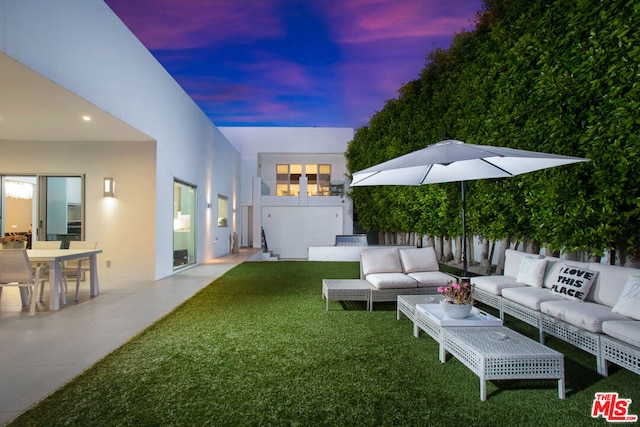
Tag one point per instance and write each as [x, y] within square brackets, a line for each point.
[457, 293]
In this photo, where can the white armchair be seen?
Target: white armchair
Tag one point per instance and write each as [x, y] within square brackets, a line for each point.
[76, 267]
[15, 271]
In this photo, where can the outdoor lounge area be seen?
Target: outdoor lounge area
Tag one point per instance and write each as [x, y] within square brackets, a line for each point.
[258, 347]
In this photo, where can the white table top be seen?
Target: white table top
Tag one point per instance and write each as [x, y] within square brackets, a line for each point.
[60, 254]
[476, 318]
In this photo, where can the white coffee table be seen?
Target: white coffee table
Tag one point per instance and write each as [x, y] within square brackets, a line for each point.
[346, 290]
[490, 350]
[431, 319]
[499, 353]
[407, 303]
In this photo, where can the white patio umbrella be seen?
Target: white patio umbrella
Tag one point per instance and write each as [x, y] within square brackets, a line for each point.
[453, 161]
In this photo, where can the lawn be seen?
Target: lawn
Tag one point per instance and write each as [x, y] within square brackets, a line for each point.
[256, 347]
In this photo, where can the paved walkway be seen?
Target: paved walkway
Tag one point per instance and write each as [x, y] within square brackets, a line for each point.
[41, 353]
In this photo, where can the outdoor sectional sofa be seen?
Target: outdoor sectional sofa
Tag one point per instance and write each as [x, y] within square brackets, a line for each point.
[593, 306]
[393, 271]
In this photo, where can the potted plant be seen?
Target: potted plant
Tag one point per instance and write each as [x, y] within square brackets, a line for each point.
[458, 299]
[13, 241]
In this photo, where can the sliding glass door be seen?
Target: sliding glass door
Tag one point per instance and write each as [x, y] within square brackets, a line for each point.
[61, 208]
[184, 224]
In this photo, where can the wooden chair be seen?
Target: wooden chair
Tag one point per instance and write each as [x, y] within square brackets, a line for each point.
[15, 271]
[76, 267]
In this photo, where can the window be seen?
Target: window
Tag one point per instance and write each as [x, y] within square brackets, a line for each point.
[324, 180]
[288, 179]
[184, 224]
[223, 211]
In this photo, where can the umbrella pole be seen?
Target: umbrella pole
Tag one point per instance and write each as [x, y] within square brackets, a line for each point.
[464, 231]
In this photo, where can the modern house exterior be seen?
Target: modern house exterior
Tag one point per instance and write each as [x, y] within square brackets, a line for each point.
[293, 187]
[116, 152]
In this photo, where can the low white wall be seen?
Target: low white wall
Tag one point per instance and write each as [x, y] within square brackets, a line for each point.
[291, 230]
[335, 253]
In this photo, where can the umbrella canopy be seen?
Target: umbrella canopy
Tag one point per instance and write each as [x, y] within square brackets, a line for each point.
[453, 161]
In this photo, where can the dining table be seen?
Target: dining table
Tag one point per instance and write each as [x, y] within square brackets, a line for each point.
[54, 258]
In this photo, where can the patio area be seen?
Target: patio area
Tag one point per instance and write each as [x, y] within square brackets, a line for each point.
[41, 353]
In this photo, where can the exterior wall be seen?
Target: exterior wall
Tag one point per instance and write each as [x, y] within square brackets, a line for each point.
[291, 145]
[124, 226]
[82, 46]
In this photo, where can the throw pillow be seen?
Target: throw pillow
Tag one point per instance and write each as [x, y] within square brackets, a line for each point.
[531, 271]
[573, 282]
[629, 302]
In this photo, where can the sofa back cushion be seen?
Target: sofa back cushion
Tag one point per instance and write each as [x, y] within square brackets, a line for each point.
[531, 271]
[629, 302]
[573, 282]
[512, 260]
[380, 260]
[609, 283]
[418, 259]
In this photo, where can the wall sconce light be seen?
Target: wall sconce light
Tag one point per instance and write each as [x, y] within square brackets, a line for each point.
[109, 187]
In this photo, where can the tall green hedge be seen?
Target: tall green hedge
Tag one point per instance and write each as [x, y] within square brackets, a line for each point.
[554, 76]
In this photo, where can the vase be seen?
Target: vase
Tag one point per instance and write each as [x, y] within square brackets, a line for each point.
[455, 311]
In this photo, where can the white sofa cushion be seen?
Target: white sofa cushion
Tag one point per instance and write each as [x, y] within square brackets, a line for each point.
[609, 283]
[529, 296]
[418, 259]
[573, 282]
[495, 284]
[531, 271]
[391, 281]
[629, 302]
[380, 260]
[431, 278]
[512, 259]
[586, 315]
[627, 331]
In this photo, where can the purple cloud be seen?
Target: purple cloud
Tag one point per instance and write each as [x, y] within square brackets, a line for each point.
[294, 62]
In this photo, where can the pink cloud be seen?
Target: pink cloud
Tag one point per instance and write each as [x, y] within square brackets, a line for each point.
[186, 24]
[376, 46]
[362, 21]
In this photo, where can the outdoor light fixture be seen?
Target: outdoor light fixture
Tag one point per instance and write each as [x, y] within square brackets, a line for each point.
[109, 187]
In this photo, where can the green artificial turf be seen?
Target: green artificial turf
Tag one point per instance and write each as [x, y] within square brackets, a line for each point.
[256, 347]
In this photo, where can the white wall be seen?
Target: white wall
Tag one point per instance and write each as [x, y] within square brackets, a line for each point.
[84, 47]
[290, 142]
[250, 141]
[291, 230]
[124, 226]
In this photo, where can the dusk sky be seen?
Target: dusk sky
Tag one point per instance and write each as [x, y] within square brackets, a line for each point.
[294, 62]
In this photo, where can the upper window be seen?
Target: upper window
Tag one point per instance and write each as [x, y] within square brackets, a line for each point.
[288, 179]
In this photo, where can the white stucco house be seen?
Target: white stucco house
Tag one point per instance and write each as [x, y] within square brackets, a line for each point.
[293, 187]
[84, 104]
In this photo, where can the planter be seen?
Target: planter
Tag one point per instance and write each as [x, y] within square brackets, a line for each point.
[456, 311]
[13, 245]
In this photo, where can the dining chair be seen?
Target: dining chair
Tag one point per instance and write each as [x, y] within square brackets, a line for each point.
[44, 277]
[15, 271]
[76, 267]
